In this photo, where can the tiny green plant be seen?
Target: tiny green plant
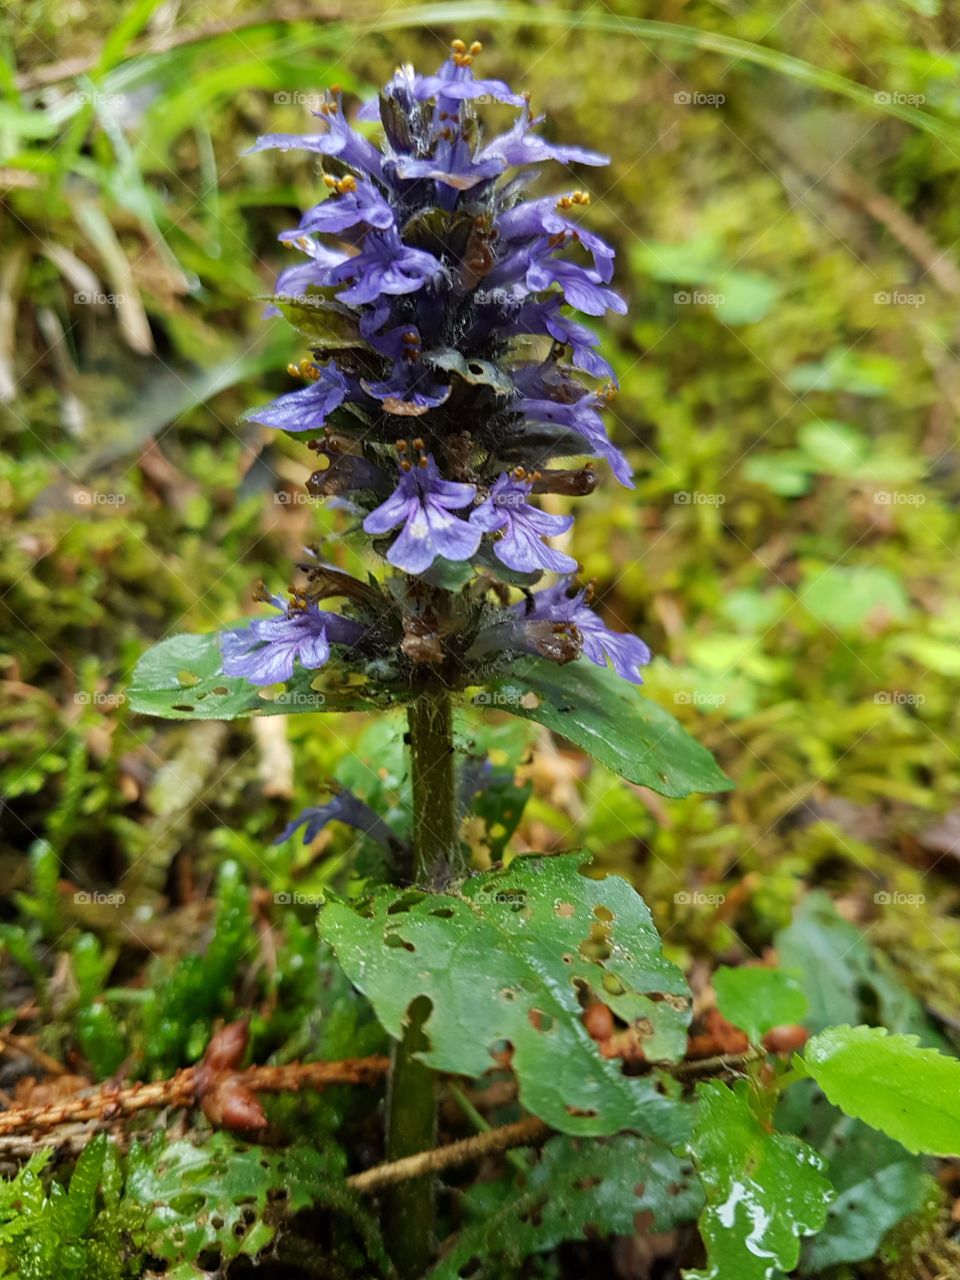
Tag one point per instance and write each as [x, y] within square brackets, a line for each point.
[451, 398]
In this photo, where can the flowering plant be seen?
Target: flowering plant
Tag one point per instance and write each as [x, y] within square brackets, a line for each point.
[453, 402]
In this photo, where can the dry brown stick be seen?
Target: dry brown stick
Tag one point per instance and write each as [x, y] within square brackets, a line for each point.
[714, 1066]
[523, 1133]
[24, 1045]
[935, 261]
[111, 1101]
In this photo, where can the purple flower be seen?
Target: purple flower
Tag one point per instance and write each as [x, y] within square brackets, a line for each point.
[384, 265]
[349, 203]
[533, 219]
[412, 387]
[421, 504]
[626, 652]
[338, 140]
[455, 83]
[524, 528]
[410, 390]
[305, 410]
[582, 287]
[441, 265]
[265, 651]
[343, 807]
[520, 146]
[546, 317]
[453, 164]
[583, 417]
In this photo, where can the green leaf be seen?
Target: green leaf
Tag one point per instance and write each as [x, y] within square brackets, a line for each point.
[756, 998]
[575, 1191]
[783, 471]
[878, 1184]
[841, 975]
[745, 297]
[891, 1083]
[326, 324]
[230, 1196]
[181, 679]
[861, 374]
[846, 598]
[834, 447]
[605, 716]
[764, 1190]
[513, 956]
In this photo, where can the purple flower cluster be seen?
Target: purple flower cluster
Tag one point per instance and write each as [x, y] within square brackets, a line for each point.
[428, 288]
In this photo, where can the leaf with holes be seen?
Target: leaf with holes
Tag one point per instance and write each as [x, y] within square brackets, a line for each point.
[574, 1191]
[228, 1197]
[475, 372]
[513, 957]
[182, 679]
[891, 1083]
[764, 1190]
[605, 716]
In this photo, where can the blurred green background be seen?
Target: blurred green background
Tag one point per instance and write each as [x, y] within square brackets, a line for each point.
[784, 201]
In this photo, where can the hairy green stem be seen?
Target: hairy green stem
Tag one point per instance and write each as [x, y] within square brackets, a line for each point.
[435, 839]
[412, 1108]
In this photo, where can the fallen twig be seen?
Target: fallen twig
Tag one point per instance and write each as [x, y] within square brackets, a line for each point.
[111, 1101]
[25, 1045]
[523, 1133]
[716, 1065]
